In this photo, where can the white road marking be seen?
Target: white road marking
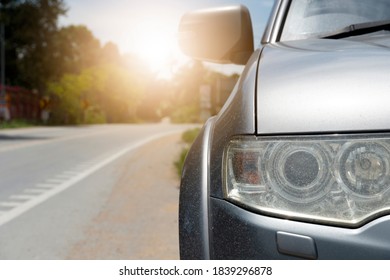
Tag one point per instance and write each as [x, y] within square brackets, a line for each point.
[55, 181]
[21, 197]
[10, 204]
[36, 191]
[66, 175]
[69, 173]
[52, 189]
[45, 186]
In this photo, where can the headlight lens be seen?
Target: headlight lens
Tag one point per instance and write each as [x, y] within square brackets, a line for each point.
[341, 180]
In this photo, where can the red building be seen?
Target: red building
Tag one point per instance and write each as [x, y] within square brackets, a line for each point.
[18, 103]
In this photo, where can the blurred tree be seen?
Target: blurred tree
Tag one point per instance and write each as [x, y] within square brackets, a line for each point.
[110, 54]
[30, 26]
[186, 102]
[102, 93]
[121, 93]
[66, 100]
[74, 49]
[185, 105]
[156, 101]
[85, 81]
[88, 82]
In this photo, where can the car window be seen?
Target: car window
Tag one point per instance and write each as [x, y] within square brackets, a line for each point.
[312, 18]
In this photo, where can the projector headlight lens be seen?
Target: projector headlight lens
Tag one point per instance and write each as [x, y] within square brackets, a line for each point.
[364, 169]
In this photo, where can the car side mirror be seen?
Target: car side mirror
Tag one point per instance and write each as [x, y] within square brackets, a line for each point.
[221, 35]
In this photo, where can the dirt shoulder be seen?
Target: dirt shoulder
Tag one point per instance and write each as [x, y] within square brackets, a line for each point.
[140, 218]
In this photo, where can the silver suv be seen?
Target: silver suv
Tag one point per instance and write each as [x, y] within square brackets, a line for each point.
[297, 163]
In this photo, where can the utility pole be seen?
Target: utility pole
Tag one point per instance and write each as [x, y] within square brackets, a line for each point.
[3, 102]
[2, 67]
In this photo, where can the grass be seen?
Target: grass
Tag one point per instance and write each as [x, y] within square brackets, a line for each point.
[188, 137]
[16, 124]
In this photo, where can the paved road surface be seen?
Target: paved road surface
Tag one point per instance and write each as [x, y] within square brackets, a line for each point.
[94, 192]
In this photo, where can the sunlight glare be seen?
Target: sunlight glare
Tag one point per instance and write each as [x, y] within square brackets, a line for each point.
[156, 45]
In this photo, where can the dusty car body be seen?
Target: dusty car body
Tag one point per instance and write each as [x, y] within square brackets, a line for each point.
[297, 163]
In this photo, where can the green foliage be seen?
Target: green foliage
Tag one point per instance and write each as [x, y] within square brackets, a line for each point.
[86, 83]
[185, 106]
[94, 116]
[16, 124]
[179, 163]
[186, 114]
[74, 49]
[66, 96]
[96, 95]
[30, 27]
[90, 83]
[120, 94]
[188, 137]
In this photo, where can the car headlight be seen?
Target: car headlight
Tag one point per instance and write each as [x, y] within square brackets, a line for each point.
[343, 180]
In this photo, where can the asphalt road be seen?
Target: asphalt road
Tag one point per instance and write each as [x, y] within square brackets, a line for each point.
[93, 192]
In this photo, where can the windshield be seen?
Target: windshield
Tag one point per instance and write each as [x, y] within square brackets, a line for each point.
[315, 18]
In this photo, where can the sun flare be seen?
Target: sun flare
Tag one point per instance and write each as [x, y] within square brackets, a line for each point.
[156, 45]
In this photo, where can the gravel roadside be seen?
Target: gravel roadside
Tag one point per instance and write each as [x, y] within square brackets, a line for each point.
[139, 220]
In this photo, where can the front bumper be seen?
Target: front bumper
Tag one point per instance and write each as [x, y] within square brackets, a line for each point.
[236, 233]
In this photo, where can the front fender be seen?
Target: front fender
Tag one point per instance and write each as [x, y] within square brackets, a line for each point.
[194, 198]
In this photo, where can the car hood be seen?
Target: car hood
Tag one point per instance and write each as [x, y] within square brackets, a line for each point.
[325, 86]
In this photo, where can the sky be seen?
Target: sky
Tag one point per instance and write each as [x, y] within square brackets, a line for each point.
[148, 28]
